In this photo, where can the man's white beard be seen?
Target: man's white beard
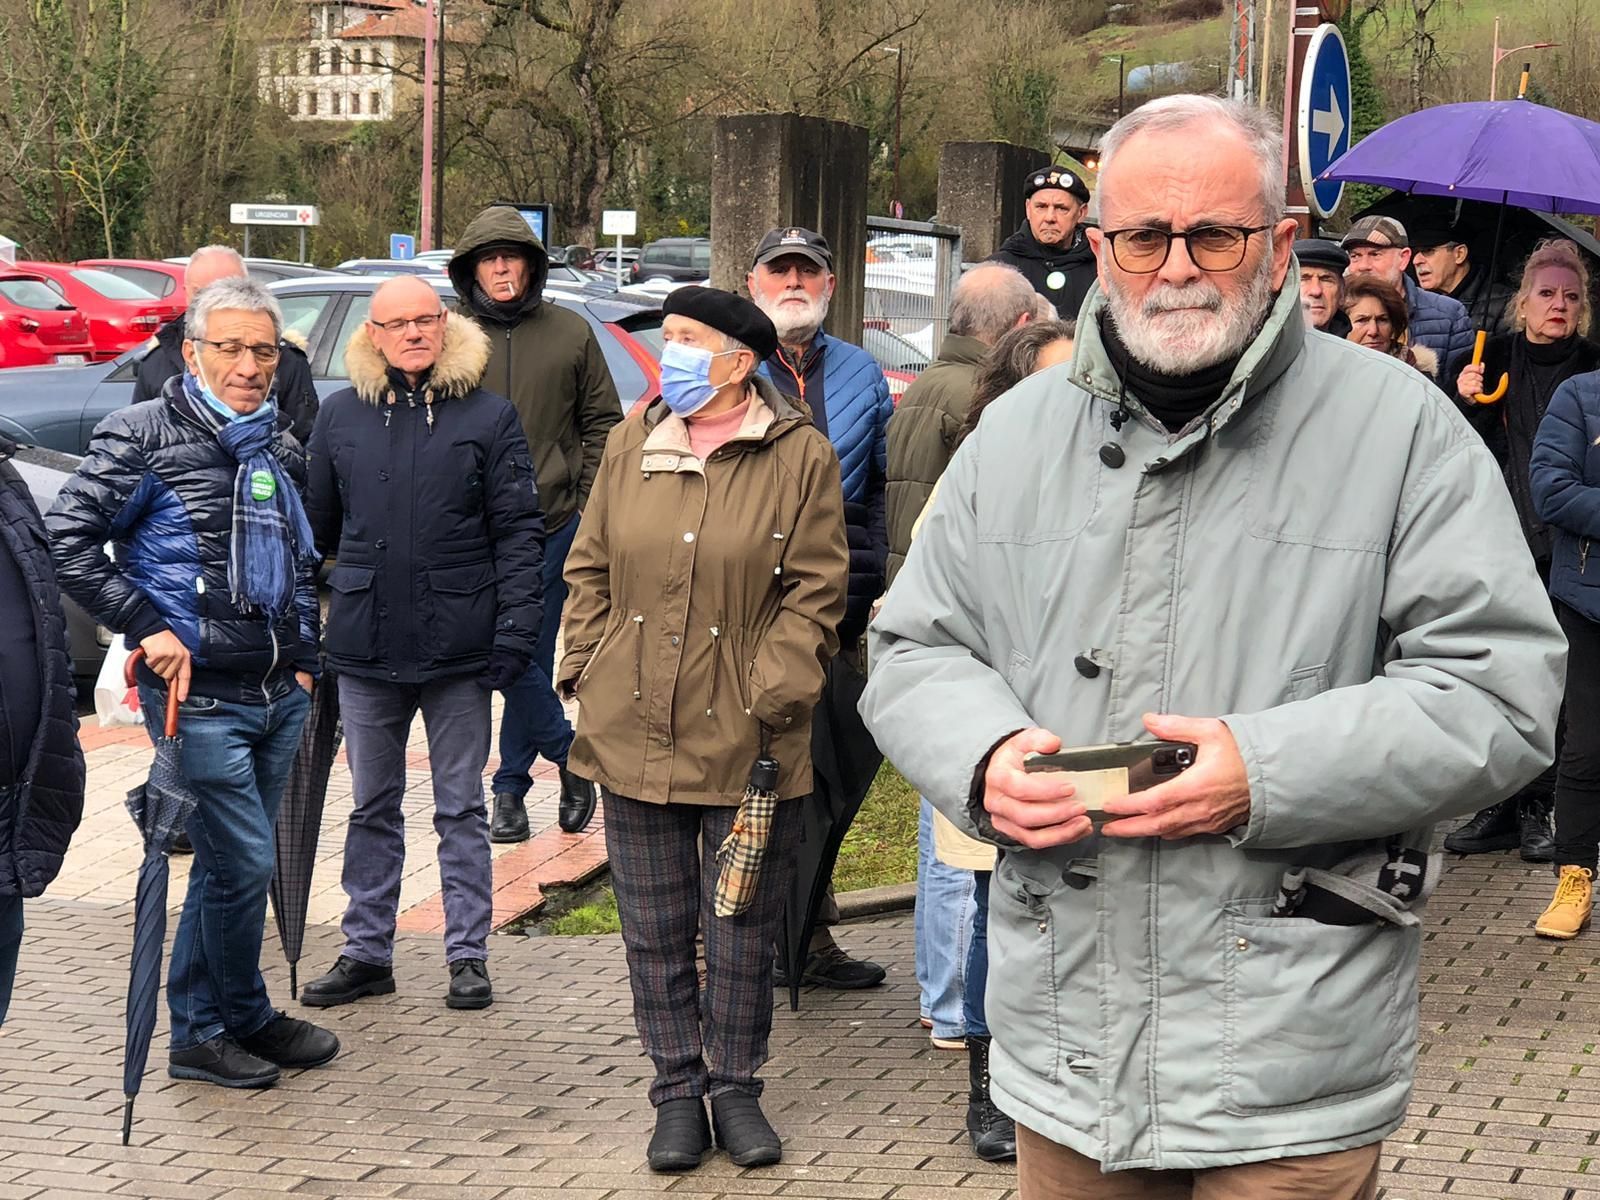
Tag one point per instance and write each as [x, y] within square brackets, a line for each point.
[795, 324]
[1179, 330]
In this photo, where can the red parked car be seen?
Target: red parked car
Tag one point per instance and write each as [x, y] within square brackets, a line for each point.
[121, 314]
[163, 280]
[37, 327]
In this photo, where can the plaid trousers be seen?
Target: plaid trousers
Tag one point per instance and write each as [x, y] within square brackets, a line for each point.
[664, 873]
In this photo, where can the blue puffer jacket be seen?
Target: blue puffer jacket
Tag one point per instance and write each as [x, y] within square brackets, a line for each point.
[1564, 477]
[158, 485]
[1437, 322]
[849, 399]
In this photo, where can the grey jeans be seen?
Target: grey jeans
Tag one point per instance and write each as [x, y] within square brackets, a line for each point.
[377, 722]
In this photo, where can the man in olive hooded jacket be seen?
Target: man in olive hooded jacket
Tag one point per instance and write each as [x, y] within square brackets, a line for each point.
[546, 361]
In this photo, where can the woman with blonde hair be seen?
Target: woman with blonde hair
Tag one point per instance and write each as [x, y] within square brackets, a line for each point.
[1550, 316]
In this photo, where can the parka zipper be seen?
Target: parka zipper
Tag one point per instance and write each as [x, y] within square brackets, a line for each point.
[638, 655]
[1583, 555]
[716, 660]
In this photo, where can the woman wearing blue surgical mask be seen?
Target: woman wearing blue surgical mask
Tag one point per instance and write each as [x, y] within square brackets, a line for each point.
[706, 580]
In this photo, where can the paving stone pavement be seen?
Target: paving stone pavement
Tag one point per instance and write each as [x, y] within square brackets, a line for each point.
[543, 1095]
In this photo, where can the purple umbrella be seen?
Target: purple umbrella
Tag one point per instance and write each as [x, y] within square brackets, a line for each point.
[1503, 151]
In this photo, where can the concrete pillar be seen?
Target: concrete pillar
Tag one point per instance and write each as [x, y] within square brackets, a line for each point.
[980, 190]
[776, 169]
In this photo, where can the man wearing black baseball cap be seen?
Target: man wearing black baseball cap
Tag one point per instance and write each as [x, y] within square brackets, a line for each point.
[791, 280]
[1443, 263]
[1050, 248]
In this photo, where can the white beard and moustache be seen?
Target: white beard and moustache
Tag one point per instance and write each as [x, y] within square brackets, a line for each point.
[1180, 330]
[795, 325]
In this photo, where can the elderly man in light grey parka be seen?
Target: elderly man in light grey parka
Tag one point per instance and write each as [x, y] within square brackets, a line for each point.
[1299, 546]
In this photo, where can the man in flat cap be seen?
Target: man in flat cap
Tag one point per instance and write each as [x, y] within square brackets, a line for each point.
[1322, 267]
[1378, 246]
[1443, 263]
[707, 582]
[792, 281]
[1050, 248]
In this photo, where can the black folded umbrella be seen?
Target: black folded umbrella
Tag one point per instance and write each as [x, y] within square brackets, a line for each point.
[160, 808]
[300, 821]
[844, 762]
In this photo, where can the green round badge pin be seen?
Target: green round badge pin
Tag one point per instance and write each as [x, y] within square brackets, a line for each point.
[1056, 280]
[262, 485]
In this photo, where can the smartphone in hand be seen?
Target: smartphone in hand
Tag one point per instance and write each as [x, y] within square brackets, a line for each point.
[1117, 769]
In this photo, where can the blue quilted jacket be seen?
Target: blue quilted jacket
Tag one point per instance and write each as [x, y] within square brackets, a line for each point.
[1564, 476]
[1437, 322]
[848, 396]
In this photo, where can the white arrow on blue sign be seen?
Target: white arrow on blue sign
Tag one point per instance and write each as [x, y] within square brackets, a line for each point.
[1324, 117]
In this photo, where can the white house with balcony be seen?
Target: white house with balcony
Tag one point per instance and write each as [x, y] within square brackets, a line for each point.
[342, 67]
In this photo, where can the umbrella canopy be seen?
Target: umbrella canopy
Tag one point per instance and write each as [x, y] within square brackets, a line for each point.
[160, 809]
[1506, 151]
[844, 762]
[300, 821]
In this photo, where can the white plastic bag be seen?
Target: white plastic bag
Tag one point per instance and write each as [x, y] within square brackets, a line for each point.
[115, 703]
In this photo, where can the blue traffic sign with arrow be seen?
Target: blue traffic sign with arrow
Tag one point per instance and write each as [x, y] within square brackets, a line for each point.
[1324, 117]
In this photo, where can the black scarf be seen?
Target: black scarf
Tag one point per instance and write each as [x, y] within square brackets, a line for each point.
[503, 312]
[1174, 400]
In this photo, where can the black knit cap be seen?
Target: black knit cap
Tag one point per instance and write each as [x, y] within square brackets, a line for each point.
[1055, 177]
[726, 313]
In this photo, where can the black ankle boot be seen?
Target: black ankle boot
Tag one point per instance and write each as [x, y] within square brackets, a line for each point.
[682, 1136]
[1538, 834]
[744, 1131]
[993, 1134]
[510, 821]
[577, 803]
[1494, 828]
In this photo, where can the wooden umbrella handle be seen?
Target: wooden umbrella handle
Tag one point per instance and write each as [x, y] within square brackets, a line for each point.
[1477, 359]
[131, 677]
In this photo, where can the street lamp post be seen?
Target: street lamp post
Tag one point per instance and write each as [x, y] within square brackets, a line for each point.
[1499, 54]
[899, 75]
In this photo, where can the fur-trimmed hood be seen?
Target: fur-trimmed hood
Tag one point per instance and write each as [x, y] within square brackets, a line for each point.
[1422, 358]
[458, 371]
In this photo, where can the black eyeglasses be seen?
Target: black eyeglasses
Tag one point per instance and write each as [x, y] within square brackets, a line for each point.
[1211, 247]
[264, 354]
[423, 323]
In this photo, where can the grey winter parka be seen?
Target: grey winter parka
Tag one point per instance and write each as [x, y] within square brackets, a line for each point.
[1326, 559]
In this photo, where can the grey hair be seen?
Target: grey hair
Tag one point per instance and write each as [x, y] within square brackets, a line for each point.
[214, 249]
[1262, 132]
[989, 300]
[243, 295]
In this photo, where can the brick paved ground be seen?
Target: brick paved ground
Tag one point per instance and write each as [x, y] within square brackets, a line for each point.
[543, 1094]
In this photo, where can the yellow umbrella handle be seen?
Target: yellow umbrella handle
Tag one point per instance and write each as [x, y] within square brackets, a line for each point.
[1477, 358]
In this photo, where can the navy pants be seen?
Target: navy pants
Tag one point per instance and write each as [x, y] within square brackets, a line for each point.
[534, 723]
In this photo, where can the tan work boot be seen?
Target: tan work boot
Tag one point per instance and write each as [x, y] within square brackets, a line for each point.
[1569, 911]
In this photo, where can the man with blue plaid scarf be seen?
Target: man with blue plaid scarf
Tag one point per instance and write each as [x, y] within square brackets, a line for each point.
[213, 576]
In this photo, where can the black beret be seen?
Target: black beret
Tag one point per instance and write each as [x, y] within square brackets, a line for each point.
[1320, 252]
[726, 313]
[1055, 177]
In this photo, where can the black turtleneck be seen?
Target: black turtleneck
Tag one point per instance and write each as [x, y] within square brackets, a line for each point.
[1174, 400]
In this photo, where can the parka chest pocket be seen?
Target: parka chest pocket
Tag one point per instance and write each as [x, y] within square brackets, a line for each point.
[352, 631]
[1056, 506]
[1313, 1014]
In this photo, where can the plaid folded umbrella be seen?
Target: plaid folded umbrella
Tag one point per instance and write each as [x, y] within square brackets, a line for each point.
[744, 849]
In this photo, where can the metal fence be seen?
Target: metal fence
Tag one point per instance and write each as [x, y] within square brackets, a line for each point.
[912, 268]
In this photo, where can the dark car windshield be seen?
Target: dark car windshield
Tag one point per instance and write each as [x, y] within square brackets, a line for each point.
[109, 286]
[30, 293]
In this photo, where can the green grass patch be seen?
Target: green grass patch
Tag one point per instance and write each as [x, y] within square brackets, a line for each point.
[588, 920]
[881, 845]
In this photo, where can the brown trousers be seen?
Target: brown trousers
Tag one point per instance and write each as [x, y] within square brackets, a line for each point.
[1047, 1171]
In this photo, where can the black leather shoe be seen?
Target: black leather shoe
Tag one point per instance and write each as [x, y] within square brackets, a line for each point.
[682, 1137]
[743, 1130]
[348, 981]
[1537, 834]
[831, 967]
[292, 1043]
[224, 1062]
[577, 803]
[469, 984]
[993, 1134]
[510, 823]
[1493, 828]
